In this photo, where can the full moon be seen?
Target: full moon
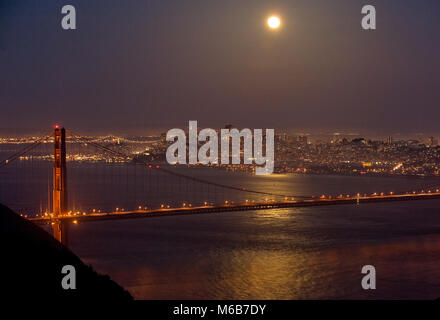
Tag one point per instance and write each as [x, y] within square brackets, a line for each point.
[274, 22]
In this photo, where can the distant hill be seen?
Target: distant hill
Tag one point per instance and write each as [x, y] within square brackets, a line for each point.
[31, 263]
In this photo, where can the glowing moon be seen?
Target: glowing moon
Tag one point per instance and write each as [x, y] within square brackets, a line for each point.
[274, 22]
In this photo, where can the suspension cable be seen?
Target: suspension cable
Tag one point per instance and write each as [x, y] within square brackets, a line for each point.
[23, 151]
[184, 176]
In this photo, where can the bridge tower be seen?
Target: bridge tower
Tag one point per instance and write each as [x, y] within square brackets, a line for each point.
[59, 185]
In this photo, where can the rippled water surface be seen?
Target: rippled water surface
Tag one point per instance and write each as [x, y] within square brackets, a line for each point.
[301, 253]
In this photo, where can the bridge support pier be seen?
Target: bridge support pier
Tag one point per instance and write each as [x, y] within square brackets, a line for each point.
[60, 231]
[59, 185]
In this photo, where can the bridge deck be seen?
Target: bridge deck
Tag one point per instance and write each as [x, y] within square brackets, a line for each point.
[233, 207]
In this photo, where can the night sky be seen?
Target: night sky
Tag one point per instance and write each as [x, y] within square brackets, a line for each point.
[138, 66]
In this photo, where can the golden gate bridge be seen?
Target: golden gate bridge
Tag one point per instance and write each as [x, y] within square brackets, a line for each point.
[61, 210]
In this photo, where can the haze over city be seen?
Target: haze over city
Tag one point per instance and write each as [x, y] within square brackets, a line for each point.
[153, 65]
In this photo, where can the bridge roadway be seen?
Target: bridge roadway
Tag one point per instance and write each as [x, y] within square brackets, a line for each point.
[233, 207]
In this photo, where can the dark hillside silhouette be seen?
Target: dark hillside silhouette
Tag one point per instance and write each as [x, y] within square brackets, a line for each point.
[31, 263]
